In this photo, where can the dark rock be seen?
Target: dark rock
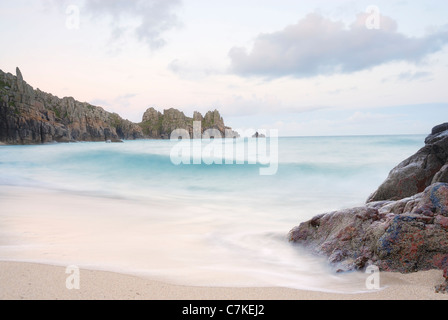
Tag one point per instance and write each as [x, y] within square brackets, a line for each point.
[387, 236]
[258, 135]
[436, 132]
[160, 126]
[29, 116]
[115, 141]
[419, 171]
[404, 225]
[442, 175]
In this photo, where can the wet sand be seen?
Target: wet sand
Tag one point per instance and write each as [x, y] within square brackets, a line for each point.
[31, 281]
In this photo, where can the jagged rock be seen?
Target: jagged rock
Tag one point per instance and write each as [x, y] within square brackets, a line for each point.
[29, 116]
[404, 235]
[213, 120]
[197, 116]
[19, 80]
[160, 126]
[417, 172]
[152, 115]
[258, 135]
[442, 175]
[437, 132]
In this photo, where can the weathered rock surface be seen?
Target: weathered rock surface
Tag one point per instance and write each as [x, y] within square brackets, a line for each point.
[159, 126]
[29, 116]
[419, 171]
[404, 235]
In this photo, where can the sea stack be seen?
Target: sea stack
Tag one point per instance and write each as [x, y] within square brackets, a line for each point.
[29, 116]
[157, 125]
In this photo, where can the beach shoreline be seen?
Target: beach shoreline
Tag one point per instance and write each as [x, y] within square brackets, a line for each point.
[32, 281]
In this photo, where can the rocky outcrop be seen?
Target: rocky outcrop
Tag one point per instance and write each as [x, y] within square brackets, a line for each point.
[419, 171]
[404, 235]
[29, 116]
[159, 126]
[258, 135]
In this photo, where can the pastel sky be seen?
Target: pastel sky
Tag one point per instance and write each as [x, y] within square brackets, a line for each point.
[334, 67]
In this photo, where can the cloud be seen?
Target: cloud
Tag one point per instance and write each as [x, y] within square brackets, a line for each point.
[409, 76]
[117, 103]
[191, 71]
[147, 20]
[267, 104]
[412, 76]
[319, 46]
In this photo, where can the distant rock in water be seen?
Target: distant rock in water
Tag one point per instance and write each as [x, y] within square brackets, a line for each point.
[258, 135]
[159, 125]
[405, 231]
[29, 116]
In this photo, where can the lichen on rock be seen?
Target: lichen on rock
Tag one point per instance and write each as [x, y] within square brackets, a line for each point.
[29, 116]
[402, 228]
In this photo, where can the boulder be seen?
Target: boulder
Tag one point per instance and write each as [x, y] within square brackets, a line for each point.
[402, 228]
[404, 236]
[417, 172]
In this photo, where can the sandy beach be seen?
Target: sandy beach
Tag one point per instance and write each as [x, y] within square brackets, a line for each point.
[28, 281]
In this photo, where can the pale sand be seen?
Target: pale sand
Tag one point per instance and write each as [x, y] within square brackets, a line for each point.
[43, 282]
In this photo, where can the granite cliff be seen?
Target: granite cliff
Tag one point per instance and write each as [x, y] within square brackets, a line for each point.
[159, 126]
[404, 225]
[31, 116]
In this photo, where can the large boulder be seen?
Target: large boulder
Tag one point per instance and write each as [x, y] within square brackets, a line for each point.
[405, 236]
[402, 228]
[417, 172]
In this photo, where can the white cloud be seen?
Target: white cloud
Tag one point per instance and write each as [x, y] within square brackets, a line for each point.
[191, 71]
[146, 20]
[320, 46]
[412, 76]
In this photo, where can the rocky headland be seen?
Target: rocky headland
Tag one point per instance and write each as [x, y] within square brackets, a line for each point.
[159, 125]
[403, 227]
[29, 116]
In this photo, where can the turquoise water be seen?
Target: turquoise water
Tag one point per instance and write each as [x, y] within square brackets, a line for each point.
[128, 208]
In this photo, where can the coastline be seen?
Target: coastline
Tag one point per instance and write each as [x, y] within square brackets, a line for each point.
[31, 281]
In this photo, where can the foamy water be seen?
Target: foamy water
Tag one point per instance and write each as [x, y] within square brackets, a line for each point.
[127, 208]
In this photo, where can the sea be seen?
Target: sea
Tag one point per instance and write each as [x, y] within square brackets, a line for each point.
[188, 213]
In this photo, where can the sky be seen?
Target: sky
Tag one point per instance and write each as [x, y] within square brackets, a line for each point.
[305, 68]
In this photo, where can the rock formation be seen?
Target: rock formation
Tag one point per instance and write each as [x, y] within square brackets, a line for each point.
[29, 116]
[258, 135]
[418, 171]
[159, 126]
[404, 225]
